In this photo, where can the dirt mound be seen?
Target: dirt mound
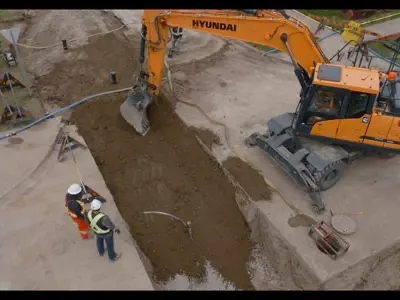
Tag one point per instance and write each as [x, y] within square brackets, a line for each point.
[166, 170]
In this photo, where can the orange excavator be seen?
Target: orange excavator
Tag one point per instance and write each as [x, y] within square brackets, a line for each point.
[344, 112]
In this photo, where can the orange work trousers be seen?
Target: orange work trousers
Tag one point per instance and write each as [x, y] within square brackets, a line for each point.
[83, 227]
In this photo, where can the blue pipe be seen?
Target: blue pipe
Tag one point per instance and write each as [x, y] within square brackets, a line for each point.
[329, 35]
[52, 114]
[319, 40]
[382, 57]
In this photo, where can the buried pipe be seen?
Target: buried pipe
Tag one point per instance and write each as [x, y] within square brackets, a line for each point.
[187, 224]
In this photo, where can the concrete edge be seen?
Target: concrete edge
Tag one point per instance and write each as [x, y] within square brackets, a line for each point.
[267, 235]
[379, 20]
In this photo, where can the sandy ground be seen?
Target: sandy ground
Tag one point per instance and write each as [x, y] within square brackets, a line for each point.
[180, 179]
[225, 82]
[41, 248]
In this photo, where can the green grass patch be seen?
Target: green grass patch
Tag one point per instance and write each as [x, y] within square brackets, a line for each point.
[382, 50]
[338, 15]
[10, 15]
[328, 13]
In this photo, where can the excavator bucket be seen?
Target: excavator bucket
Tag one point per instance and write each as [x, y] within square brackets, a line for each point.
[134, 109]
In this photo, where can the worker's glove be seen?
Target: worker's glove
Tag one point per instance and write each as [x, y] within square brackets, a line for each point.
[117, 231]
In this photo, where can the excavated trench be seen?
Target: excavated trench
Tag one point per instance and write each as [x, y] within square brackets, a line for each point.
[167, 170]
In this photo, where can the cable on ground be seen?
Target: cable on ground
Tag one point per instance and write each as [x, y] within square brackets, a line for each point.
[76, 39]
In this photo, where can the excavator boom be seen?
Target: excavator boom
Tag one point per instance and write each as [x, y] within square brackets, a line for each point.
[268, 28]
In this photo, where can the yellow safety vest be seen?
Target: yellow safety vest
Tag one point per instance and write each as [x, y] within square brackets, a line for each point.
[93, 223]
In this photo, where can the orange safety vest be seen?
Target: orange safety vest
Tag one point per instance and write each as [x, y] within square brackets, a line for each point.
[83, 209]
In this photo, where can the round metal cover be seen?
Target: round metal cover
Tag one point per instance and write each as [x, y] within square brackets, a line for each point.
[343, 224]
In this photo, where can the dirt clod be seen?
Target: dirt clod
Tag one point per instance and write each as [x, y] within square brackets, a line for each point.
[250, 179]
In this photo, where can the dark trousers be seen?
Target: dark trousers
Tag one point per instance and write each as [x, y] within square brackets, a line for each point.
[175, 41]
[109, 240]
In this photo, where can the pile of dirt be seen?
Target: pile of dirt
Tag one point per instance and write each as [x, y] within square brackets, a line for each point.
[167, 170]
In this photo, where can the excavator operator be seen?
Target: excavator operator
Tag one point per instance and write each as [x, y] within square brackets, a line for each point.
[327, 103]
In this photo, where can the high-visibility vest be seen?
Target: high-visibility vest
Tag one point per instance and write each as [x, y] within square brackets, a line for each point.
[93, 223]
[83, 209]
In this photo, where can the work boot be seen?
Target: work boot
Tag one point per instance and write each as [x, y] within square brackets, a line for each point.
[118, 256]
[102, 254]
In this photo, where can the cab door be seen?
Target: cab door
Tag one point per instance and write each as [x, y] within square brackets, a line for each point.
[393, 137]
[324, 111]
[356, 117]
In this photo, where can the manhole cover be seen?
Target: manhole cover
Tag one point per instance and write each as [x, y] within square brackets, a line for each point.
[343, 224]
[15, 140]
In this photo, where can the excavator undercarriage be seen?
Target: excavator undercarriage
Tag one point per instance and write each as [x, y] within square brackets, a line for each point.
[314, 166]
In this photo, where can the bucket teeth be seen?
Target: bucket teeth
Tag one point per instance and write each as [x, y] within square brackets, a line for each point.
[134, 111]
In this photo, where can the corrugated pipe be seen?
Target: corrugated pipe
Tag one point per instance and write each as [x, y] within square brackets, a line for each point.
[49, 115]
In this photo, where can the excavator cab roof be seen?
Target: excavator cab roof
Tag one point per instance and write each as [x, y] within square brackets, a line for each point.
[346, 77]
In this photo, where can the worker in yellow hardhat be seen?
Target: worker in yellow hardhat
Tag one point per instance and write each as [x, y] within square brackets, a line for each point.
[76, 208]
[104, 229]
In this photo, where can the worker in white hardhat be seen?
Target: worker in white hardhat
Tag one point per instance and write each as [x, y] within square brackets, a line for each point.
[104, 229]
[76, 208]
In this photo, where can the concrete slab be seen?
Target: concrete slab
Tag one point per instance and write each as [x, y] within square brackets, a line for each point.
[41, 246]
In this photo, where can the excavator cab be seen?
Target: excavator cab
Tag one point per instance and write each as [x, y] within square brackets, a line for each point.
[339, 104]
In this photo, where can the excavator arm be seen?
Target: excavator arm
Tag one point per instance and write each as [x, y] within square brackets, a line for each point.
[264, 27]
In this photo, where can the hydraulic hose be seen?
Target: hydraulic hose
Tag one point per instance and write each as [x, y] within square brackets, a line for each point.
[49, 115]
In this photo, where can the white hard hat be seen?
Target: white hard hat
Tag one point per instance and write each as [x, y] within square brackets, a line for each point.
[74, 189]
[95, 205]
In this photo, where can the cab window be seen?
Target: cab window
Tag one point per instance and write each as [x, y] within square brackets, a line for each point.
[327, 102]
[358, 105]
